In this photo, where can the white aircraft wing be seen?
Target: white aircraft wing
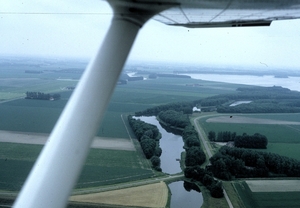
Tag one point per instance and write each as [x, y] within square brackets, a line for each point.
[57, 169]
[228, 13]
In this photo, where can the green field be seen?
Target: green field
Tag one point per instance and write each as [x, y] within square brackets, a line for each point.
[102, 167]
[266, 199]
[282, 139]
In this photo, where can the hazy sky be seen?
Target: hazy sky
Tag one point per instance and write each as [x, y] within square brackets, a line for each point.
[33, 27]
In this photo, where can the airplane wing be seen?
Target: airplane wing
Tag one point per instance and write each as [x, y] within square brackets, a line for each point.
[228, 13]
[57, 169]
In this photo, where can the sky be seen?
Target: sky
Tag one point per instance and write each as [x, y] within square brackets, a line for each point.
[75, 29]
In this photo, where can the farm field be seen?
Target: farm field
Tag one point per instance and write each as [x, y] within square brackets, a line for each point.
[152, 195]
[267, 193]
[102, 167]
[282, 130]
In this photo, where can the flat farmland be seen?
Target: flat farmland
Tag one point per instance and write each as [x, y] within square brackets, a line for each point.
[282, 130]
[152, 195]
[103, 166]
[269, 193]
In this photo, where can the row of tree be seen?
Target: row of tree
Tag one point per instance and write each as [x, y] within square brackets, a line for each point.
[256, 141]
[148, 135]
[185, 107]
[194, 158]
[206, 178]
[42, 96]
[230, 162]
[174, 118]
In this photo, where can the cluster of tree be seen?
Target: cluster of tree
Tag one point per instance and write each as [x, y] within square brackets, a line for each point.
[174, 118]
[206, 178]
[194, 153]
[264, 100]
[190, 137]
[42, 96]
[231, 162]
[185, 107]
[256, 141]
[148, 135]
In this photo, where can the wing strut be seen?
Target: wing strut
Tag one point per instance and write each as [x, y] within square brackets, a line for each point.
[58, 167]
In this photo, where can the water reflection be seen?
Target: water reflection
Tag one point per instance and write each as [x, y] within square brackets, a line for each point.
[185, 197]
[184, 194]
[171, 145]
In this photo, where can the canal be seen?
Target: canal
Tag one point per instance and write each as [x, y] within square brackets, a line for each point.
[183, 194]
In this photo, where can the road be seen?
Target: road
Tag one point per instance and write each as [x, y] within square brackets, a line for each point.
[198, 128]
[127, 185]
[204, 141]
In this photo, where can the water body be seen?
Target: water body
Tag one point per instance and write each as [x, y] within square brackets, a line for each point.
[183, 194]
[171, 145]
[292, 83]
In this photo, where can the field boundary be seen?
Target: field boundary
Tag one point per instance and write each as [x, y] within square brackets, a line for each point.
[41, 139]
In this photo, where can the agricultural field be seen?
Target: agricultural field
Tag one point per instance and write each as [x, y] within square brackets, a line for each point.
[282, 130]
[268, 193]
[103, 166]
[152, 195]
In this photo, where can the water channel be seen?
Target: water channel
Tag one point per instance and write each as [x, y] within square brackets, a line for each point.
[183, 194]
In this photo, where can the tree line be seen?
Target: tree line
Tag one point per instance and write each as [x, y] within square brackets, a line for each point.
[185, 107]
[42, 96]
[256, 141]
[174, 118]
[206, 178]
[148, 135]
[231, 162]
[194, 158]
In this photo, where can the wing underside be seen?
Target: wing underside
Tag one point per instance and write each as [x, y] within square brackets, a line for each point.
[228, 13]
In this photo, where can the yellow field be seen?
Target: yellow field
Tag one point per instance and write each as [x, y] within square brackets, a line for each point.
[152, 195]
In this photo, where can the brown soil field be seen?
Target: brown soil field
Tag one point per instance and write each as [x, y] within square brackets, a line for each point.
[241, 119]
[35, 138]
[152, 195]
[274, 185]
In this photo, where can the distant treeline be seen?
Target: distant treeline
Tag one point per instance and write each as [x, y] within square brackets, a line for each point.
[42, 96]
[173, 75]
[185, 107]
[231, 162]
[264, 100]
[256, 141]
[148, 135]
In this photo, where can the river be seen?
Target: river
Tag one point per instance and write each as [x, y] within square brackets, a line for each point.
[172, 146]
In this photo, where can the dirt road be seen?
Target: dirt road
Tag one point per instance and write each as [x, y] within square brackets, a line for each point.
[41, 139]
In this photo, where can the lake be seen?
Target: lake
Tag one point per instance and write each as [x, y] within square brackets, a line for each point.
[292, 83]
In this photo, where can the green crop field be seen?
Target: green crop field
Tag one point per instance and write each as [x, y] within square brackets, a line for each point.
[282, 139]
[102, 166]
[266, 199]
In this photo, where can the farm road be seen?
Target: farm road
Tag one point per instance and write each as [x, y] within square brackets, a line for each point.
[204, 141]
[41, 139]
